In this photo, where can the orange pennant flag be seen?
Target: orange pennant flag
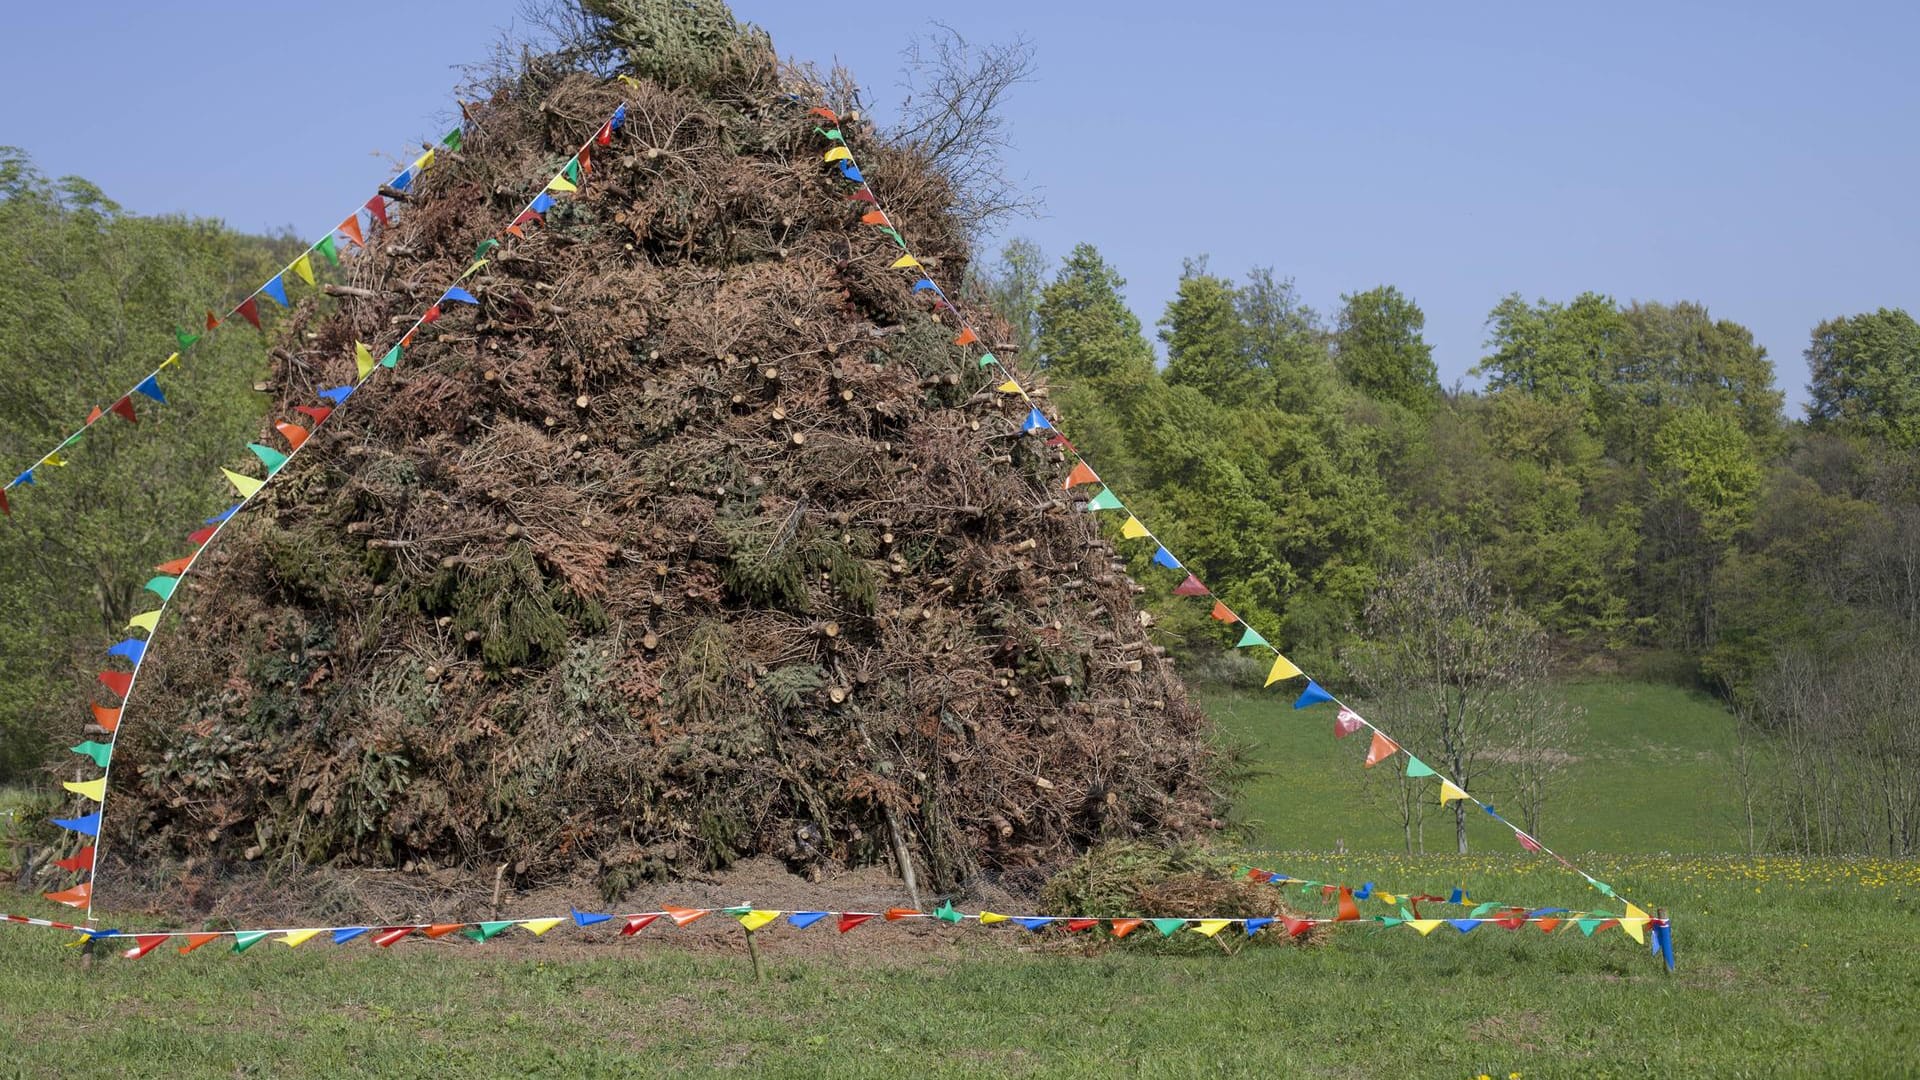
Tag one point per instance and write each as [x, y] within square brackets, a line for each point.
[78, 896]
[176, 567]
[440, 930]
[873, 217]
[351, 227]
[822, 110]
[294, 434]
[682, 916]
[1123, 927]
[1082, 474]
[895, 914]
[1221, 613]
[107, 718]
[1382, 749]
[967, 337]
[1349, 911]
[194, 941]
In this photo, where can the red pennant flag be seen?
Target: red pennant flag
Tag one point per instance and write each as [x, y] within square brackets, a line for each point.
[1060, 440]
[967, 337]
[1527, 842]
[849, 920]
[1222, 613]
[377, 206]
[391, 934]
[822, 110]
[1081, 474]
[1349, 911]
[117, 681]
[865, 196]
[873, 217]
[194, 941]
[1190, 587]
[351, 227]
[78, 896]
[440, 930]
[1605, 926]
[176, 567]
[293, 433]
[637, 923]
[108, 719]
[1382, 749]
[1296, 927]
[432, 315]
[199, 537]
[4, 508]
[1074, 926]
[586, 162]
[80, 863]
[1513, 918]
[318, 413]
[605, 137]
[250, 311]
[1346, 723]
[124, 410]
[212, 323]
[144, 944]
[681, 916]
[895, 914]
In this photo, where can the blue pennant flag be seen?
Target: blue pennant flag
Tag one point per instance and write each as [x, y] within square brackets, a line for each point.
[1165, 558]
[1458, 896]
[619, 118]
[277, 290]
[348, 933]
[337, 394]
[848, 170]
[1035, 422]
[925, 284]
[1035, 922]
[465, 297]
[1312, 695]
[588, 918]
[1363, 892]
[88, 826]
[23, 478]
[403, 181]
[804, 919]
[151, 387]
[225, 514]
[1465, 926]
[1546, 911]
[542, 203]
[1254, 925]
[132, 648]
[1488, 807]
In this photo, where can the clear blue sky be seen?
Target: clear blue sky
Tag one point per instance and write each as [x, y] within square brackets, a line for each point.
[1759, 157]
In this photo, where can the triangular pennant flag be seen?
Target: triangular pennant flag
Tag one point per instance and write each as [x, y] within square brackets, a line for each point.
[1425, 926]
[1449, 791]
[967, 336]
[1346, 723]
[1249, 638]
[1465, 926]
[247, 939]
[186, 340]
[1349, 911]
[1223, 613]
[1296, 927]
[988, 358]
[1526, 842]
[454, 139]
[303, 268]
[849, 920]
[1075, 926]
[988, 918]
[1312, 695]
[1082, 474]
[637, 923]
[151, 388]
[176, 567]
[925, 285]
[362, 360]
[317, 413]
[1418, 768]
[1133, 529]
[293, 433]
[432, 315]
[803, 919]
[1382, 749]
[536, 927]
[1165, 558]
[423, 162]
[865, 196]
[822, 110]
[79, 862]
[605, 135]
[682, 916]
[199, 537]
[487, 930]
[1105, 500]
[337, 394]
[249, 310]
[292, 938]
[588, 918]
[1283, 668]
[107, 719]
[23, 478]
[947, 913]
[875, 217]
[276, 290]
[117, 681]
[1211, 927]
[348, 933]
[194, 941]
[895, 234]
[124, 410]
[853, 174]
[1122, 927]
[327, 248]
[92, 789]
[1035, 421]
[838, 153]
[1167, 927]
[440, 930]
[1190, 587]
[1008, 387]
[351, 229]
[144, 944]
[1254, 926]
[895, 914]
[754, 920]
[131, 650]
[377, 206]
[271, 458]
[904, 262]
[245, 485]
[460, 295]
[561, 183]
[1033, 922]
[388, 935]
[76, 897]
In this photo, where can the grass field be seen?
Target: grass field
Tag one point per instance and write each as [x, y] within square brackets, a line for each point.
[1787, 967]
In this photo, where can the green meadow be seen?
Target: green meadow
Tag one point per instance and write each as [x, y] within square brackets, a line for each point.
[1788, 966]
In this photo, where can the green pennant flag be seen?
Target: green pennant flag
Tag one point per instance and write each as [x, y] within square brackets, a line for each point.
[325, 247]
[1250, 638]
[1589, 925]
[573, 170]
[734, 912]
[268, 456]
[98, 752]
[246, 939]
[833, 134]
[890, 231]
[1605, 889]
[162, 586]
[947, 913]
[185, 339]
[1481, 909]
[988, 358]
[1388, 920]
[485, 246]
[1405, 915]
[1416, 767]
[1106, 500]
[1168, 927]
[485, 930]
[392, 358]
[454, 140]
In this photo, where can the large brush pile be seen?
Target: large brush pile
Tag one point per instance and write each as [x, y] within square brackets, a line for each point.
[697, 539]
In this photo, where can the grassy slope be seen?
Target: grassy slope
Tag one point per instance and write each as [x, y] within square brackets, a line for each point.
[1788, 967]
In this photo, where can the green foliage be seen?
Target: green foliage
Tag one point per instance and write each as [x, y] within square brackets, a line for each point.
[675, 42]
[1206, 343]
[1379, 350]
[1866, 375]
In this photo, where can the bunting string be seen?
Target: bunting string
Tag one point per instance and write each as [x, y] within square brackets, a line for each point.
[301, 267]
[165, 586]
[1348, 720]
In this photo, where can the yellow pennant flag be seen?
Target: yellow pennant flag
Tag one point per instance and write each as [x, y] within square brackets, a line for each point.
[1634, 911]
[293, 938]
[245, 485]
[1450, 791]
[145, 620]
[362, 358]
[1636, 929]
[1211, 927]
[1008, 387]
[754, 920]
[561, 183]
[468, 272]
[1386, 898]
[838, 153]
[904, 261]
[54, 459]
[304, 268]
[92, 789]
[1283, 668]
[988, 918]
[541, 926]
[424, 161]
[170, 361]
[1133, 529]
[1425, 926]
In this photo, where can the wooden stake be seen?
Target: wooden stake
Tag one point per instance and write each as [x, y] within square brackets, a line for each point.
[753, 953]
